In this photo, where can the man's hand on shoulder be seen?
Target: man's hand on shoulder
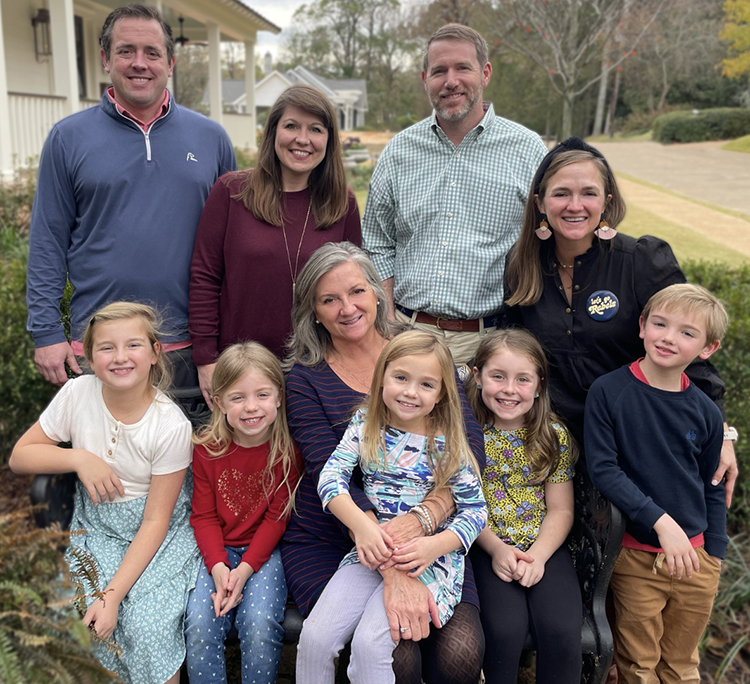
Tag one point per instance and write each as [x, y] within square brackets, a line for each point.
[51, 360]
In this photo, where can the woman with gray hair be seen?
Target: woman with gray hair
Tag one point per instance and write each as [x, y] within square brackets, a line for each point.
[340, 326]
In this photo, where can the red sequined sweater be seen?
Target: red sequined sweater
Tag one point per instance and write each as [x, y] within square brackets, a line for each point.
[230, 507]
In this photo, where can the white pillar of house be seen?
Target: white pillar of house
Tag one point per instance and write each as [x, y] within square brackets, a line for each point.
[250, 85]
[6, 141]
[64, 67]
[348, 118]
[214, 72]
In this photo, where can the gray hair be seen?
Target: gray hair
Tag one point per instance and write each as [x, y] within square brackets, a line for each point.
[310, 341]
[135, 12]
[462, 33]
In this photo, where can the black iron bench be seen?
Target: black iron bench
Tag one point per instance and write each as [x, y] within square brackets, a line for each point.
[594, 543]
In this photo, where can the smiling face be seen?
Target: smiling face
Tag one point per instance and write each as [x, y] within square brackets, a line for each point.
[454, 81]
[574, 201]
[122, 355]
[509, 383]
[345, 304]
[138, 65]
[250, 405]
[300, 144]
[673, 339]
[412, 385]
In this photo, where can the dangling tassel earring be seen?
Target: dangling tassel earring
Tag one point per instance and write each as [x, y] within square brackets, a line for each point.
[543, 232]
[604, 232]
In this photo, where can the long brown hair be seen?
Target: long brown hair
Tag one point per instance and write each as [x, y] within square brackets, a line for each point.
[446, 418]
[524, 277]
[542, 442]
[261, 190]
[216, 436]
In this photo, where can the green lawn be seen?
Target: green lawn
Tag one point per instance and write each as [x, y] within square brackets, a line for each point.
[738, 145]
[685, 242]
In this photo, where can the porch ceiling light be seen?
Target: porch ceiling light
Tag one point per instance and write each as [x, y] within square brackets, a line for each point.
[42, 45]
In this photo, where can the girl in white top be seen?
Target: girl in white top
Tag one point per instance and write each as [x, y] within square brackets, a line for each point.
[131, 451]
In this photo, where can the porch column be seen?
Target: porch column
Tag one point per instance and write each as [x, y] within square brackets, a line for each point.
[214, 72]
[250, 86]
[64, 67]
[348, 118]
[6, 144]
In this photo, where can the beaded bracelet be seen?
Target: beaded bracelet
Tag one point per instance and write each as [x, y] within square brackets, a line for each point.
[424, 514]
[420, 516]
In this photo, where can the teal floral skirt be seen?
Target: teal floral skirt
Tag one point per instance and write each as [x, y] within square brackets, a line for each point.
[150, 621]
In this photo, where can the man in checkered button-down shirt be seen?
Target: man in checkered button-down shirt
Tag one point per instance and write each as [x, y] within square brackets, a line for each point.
[447, 198]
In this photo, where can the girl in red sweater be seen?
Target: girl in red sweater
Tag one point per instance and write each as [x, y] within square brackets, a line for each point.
[245, 468]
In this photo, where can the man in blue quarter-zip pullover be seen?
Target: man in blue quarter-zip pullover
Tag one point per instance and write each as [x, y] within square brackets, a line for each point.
[120, 191]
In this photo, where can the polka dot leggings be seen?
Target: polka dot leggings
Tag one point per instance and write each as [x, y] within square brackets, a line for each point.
[258, 621]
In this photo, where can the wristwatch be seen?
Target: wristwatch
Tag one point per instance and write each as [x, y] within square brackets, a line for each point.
[731, 434]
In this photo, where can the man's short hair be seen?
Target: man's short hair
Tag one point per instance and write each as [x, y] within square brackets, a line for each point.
[462, 33]
[693, 300]
[135, 12]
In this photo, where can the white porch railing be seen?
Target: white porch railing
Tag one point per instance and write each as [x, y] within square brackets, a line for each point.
[31, 119]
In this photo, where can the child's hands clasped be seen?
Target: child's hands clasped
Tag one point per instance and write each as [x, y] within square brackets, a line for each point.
[220, 573]
[97, 477]
[505, 561]
[678, 551]
[527, 573]
[374, 544]
[238, 577]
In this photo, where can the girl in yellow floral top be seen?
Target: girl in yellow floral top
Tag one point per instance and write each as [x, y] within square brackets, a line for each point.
[523, 569]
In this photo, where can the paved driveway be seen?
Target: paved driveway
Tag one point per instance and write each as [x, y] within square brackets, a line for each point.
[699, 170]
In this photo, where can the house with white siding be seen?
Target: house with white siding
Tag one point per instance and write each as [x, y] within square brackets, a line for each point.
[50, 65]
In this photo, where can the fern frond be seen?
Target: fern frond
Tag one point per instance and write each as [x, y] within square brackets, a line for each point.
[10, 672]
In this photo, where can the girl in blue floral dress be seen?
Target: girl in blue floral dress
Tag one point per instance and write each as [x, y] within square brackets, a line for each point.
[408, 441]
[525, 576]
[131, 451]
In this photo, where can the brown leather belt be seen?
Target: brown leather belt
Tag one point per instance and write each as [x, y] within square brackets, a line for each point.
[453, 324]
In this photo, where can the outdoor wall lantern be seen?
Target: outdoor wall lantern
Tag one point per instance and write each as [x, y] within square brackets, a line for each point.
[42, 45]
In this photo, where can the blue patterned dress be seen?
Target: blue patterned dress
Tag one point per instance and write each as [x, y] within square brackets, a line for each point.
[401, 480]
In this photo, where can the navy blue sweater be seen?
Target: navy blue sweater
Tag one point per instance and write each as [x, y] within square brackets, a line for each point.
[653, 452]
[116, 211]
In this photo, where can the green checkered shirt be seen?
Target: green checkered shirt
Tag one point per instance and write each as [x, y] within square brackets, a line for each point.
[440, 218]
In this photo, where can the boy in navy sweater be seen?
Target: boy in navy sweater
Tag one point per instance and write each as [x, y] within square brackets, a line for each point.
[653, 441]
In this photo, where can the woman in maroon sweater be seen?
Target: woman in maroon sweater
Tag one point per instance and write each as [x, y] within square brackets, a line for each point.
[259, 227]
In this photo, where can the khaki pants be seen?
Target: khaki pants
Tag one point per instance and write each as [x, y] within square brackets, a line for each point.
[462, 345]
[658, 619]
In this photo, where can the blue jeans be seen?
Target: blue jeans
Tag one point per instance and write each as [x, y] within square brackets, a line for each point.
[258, 620]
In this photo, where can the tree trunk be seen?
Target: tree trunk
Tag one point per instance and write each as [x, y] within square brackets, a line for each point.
[609, 129]
[567, 114]
[601, 100]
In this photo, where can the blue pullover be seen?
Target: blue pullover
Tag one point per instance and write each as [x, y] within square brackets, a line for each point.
[116, 211]
[653, 452]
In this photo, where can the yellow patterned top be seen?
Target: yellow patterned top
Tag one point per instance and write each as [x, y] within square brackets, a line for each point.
[515, 504]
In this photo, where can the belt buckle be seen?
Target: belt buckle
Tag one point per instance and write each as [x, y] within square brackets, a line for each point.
[437, 322]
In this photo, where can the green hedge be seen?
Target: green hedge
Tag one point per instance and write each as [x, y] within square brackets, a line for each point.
[733, 362]
[709, 124]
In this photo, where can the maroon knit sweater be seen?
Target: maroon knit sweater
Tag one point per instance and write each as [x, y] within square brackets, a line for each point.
[240, 282]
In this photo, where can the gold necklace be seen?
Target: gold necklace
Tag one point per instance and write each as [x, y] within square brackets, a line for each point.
[293, 273]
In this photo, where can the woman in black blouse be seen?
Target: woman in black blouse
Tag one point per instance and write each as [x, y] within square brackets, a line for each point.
[580, 286]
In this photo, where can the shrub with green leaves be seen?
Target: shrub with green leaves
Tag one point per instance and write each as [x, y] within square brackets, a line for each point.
[723, 123]
[732, 360]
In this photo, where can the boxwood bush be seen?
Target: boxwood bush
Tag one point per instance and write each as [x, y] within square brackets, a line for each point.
[709, 124]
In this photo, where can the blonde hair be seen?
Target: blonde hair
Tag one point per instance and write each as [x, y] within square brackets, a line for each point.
[524, 277]
[542, 443]
[261, 189]
[446, 418]
[160, 374]
[216, 436]
[692, 300]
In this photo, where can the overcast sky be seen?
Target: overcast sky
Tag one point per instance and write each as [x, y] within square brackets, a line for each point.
[278, 12]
